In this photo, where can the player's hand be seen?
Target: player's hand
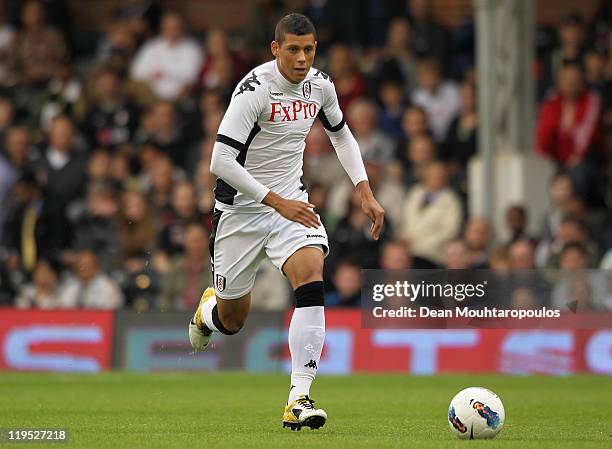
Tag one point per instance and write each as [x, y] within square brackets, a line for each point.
[372, 209]
[299, 212]
[293, 210]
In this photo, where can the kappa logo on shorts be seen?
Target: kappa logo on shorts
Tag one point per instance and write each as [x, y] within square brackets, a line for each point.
[220, 283]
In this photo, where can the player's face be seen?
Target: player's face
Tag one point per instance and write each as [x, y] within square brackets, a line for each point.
[295, 56]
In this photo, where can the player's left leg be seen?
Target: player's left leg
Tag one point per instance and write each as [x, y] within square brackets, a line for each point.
[304, 269]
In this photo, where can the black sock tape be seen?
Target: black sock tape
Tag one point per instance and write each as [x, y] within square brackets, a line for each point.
[310, 295]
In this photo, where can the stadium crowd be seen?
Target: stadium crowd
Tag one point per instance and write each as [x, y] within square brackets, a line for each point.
[106, 195]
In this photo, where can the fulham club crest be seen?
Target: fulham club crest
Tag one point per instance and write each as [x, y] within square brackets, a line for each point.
[306, 88]
[220, 283]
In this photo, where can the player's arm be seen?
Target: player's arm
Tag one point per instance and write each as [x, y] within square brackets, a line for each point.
[349, 156]
[231, 143]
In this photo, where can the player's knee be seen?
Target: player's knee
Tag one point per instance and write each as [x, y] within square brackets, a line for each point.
[309, 274]
[310, 294]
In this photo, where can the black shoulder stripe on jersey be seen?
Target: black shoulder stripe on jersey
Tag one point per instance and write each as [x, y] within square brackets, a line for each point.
[223, 191]
[328, 126]
[229, 141]
[243, 152]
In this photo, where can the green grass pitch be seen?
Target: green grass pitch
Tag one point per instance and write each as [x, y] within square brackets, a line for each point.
[240, 411]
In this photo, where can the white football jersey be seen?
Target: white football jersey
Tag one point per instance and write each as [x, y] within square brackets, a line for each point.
[267, 121]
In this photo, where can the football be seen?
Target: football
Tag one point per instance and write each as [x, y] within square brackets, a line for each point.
[476, 413]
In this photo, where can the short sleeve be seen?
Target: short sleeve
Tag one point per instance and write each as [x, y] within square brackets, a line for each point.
[242, 113]
[330, 114]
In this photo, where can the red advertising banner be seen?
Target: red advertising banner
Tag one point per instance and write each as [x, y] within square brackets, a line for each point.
[54, 340]
[349, 348]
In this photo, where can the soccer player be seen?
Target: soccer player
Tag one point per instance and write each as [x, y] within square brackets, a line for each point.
[262, 208]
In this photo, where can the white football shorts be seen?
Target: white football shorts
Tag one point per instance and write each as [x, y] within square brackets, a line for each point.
[240, 240]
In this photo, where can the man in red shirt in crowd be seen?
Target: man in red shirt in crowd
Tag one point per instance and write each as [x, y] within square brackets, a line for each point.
[569, 128]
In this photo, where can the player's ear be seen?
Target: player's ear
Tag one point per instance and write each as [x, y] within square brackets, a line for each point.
[274, 47]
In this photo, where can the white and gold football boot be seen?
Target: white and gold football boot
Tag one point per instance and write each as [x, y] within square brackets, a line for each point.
[302, 413]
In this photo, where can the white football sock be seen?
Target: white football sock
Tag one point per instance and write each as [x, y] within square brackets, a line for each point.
[206, 311]
[306, 337]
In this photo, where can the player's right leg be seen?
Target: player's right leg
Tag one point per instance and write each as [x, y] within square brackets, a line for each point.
[236, 248]
[214, 314]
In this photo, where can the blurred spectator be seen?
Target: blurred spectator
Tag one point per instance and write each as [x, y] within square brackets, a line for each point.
[119, 170]
[161, 176]
[395, 255]
[117, 47]
[438, 97]
[37, 48]
[460, 143]
[573, 256]
[569, 131]
[28, 230]
[571, 230]
[183, 212]
[421, 151]
[111, 118]
[516, 223]
[429, 39]
[499, 260]
[595, 61]
[61, 94]
[15, 159]
[386, 182]
[374, 144]
[62, 172]
[414, 124]
[347, 283]
[528, 288]
[352, 239]
[522, 255]
[161, 127]
[45, 291]
[431, 217]
[18, 150]
[571, 34]
[190, 273]
[457, 256]
[577, 287]
[560, 193]
[136, 226]
[90, 287]
[478, 236]
[96, 227]
[393, 103]
[99, 167]
[223, 67]
[349, 83]
[169, 63]
[397, 63]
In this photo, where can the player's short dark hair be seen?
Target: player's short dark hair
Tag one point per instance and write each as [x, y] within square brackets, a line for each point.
[293, 23]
